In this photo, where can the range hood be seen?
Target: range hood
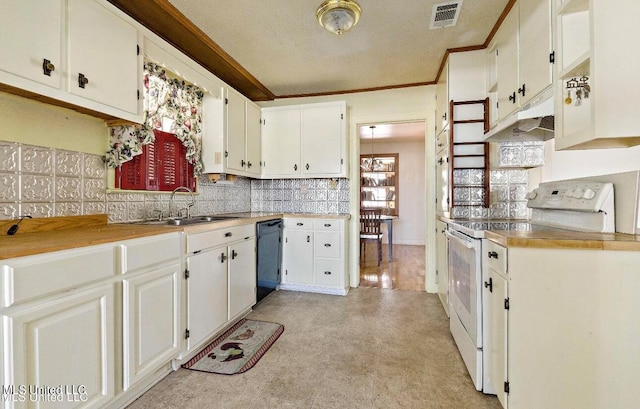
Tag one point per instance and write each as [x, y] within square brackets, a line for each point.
[534, 122]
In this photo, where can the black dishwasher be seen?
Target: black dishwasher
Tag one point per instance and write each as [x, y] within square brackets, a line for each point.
[269, 256]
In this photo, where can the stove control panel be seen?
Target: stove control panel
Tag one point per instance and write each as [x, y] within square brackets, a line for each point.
[578, 196]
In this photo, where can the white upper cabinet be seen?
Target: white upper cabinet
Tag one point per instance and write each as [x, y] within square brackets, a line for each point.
[80, 52]
[597, 74]
[235, 132]
[304, 140]
[103, 56]
[39, 25]
[323, 136]
[253, 150]
[523, 55]
[442, 99]
[281, 141]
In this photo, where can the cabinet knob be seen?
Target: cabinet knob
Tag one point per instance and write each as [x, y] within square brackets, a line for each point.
[82, 80]
[249, 164]
[242, 163]
[47, 67]
[295, 167]
[493, 254]
[512, 97]
[223, 257]
[234, 254]
[307, 166]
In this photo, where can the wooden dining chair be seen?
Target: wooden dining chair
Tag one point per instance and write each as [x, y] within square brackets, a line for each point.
[370, 230]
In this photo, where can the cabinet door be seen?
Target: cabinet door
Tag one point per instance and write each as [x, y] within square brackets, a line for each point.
[242, 277]
[442, 182]
[69, 341]
[322, 139]
[442, 100]
[235, 131]
[281, 142]
[37, 27]
[206, 294]
[103, 48]
[495, 346]
[442, 264]
[151, 332]
[298, 257]
[535, 47]
[253, 149]
[507, 61]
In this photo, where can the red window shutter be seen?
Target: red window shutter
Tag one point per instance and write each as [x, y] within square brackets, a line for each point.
[162, 166]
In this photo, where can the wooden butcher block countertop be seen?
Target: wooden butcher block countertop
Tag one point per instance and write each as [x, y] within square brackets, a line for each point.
[43, 235]
[565, 239]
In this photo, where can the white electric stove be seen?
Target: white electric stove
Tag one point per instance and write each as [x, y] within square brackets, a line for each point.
[569, 205]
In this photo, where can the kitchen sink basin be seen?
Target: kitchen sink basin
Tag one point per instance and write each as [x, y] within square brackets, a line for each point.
[188, 220]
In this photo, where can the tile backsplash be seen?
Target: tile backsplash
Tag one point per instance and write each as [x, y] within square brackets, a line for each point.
[509, 188]
[47, 182]
[322, 196]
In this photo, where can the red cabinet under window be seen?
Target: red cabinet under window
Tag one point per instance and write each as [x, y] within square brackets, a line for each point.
[162, 166]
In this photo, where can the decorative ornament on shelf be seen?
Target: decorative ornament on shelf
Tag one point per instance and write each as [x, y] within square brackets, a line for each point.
[338, 16]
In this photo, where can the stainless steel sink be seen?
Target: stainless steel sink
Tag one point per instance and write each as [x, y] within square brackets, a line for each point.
[188, 221]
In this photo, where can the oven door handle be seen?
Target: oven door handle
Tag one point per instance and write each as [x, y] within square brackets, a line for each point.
[466, 241]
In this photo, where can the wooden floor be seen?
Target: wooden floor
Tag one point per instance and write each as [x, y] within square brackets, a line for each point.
[405, 272]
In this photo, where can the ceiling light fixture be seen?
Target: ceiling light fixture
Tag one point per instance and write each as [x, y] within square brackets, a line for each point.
[338, 16]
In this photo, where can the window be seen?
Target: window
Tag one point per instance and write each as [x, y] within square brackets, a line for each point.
[162, 166]
[379, 182]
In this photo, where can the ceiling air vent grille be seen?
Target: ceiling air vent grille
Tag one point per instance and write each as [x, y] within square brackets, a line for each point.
[445, 14]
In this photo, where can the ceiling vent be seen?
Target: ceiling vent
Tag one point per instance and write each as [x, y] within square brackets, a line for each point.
[445, 14]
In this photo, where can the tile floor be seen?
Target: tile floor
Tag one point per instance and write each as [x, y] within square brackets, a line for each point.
[374, 348]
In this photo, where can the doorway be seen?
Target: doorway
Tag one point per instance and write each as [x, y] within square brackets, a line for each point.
[399, 190]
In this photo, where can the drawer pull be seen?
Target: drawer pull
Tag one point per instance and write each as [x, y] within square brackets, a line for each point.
[223, 258]
[228, 234]
[327, 244]
[493, 254]
[328, 273]
[234, 254]
[299, 224]
[327, 225]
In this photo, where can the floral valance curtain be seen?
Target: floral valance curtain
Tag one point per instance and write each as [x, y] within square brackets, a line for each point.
[171, 105]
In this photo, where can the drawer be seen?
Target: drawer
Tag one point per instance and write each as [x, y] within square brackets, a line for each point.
[326, 244]
[327, 273]
[30, 277]
[327, 225]
[215, 238]
[139, 253]
[496, 257]
[298, 224]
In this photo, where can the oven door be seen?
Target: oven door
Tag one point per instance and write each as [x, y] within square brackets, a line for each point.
[465, 272]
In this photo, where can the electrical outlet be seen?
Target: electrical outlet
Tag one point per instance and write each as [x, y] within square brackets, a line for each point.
[304, 189]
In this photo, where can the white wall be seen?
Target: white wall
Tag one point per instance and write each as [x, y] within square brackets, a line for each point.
[569, 164]
[409, 228]
[36, 123]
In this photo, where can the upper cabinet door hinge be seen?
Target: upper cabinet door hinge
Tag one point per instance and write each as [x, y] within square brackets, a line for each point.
[186, 334]
[186, 274]
[341, 116]
[138, 94]
[137, 49]
[506, 387]
[506, 303]
[552, 57]
[226, 101]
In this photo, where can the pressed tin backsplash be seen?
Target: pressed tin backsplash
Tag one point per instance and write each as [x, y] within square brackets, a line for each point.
[46, 182]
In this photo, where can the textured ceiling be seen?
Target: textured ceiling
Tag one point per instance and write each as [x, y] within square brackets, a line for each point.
[281, 44]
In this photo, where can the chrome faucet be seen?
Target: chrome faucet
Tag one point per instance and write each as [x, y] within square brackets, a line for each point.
[189, 205]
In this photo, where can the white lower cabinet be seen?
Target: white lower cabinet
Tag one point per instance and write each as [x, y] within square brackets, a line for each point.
[221, 281]
[67, 341]
[151, 289]
[314, 256]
